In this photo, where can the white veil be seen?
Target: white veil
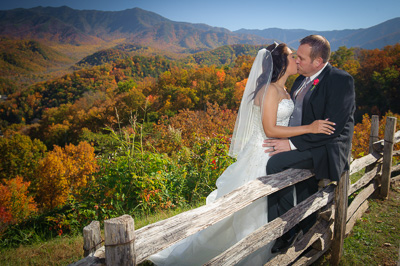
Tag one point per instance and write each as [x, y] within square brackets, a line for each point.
[244, 121]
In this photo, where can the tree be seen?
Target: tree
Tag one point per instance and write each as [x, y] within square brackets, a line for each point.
[15, 203]
[185, 128]
[239, 90]
[19, 156]
[63, 172]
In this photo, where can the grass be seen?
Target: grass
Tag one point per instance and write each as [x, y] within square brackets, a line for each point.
[375, 239]
[59, 251]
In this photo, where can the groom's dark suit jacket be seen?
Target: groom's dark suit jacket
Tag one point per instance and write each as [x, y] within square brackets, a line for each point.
[334, 98]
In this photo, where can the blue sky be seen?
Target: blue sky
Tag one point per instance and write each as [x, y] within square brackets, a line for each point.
[248, 14]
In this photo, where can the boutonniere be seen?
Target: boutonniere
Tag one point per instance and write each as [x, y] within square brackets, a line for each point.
[315, 82]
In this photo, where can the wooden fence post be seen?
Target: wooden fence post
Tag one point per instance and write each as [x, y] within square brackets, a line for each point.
[390, 129]
[374, 132]
[373, 137]
[120, 241]
[91, 238]
[339, 231]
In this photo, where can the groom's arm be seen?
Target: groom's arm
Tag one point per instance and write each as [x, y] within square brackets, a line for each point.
[339, 107]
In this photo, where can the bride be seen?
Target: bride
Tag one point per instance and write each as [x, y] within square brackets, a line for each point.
[264, 112]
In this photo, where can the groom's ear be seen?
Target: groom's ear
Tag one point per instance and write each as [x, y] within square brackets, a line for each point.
[318, 62]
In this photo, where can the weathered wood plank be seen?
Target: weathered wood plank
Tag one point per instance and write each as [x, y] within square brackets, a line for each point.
[315, 233]
[356, 216]
[395, 179]
[360, 198]
[311, 256]
[396, 167]
[362, 162]
[308, 258]
[341, 198]
[158, 236]
[119, 241]
[396, 137]
[319, 244]
[274, 229]
[387, 156]
[365, 179]
[327, 213]
[378, 146]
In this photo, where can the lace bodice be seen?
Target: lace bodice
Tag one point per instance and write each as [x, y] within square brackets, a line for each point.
[285, 109]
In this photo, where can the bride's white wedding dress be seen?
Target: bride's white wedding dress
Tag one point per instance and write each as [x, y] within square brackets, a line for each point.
[251, 163]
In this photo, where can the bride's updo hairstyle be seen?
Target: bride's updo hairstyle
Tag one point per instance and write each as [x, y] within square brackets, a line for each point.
[280, 61]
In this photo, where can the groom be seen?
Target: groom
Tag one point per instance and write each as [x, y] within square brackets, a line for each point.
[320, 92]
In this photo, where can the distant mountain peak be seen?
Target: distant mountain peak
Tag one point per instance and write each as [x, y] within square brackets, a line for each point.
[80, 27]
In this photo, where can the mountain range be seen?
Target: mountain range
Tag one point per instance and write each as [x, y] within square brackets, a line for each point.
[67, 26]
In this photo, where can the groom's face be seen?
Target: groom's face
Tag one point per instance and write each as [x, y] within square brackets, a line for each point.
[306, 66]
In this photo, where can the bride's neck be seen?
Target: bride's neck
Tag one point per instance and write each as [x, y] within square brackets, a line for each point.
[281, 82]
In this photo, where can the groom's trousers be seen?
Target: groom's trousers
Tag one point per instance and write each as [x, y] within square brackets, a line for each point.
[283, 200]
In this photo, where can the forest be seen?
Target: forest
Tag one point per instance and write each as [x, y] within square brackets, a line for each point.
[137, 134]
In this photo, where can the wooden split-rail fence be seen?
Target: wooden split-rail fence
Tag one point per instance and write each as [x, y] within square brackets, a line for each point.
[123, 245]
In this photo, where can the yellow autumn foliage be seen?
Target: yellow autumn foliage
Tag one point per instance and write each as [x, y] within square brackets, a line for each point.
[62, 172]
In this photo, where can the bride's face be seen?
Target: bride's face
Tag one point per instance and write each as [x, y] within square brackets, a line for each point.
[292, 66]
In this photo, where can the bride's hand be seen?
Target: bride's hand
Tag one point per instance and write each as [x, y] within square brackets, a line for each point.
[322, 126]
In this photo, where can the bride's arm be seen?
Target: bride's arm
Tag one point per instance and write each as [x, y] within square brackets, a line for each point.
[270, 107]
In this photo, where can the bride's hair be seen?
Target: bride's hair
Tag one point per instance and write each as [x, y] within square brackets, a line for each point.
[280, 62]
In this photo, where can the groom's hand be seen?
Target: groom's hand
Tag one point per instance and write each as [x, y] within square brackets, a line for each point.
[276, 146]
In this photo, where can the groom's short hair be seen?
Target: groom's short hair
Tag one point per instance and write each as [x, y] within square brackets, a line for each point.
[320, 46]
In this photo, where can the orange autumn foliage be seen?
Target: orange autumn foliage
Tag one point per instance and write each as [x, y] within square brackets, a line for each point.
[63, 171]
[15, 203]
[221, 76]
[185, 128]
[239, 90]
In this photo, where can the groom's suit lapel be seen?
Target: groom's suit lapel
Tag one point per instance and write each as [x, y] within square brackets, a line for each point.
[308, 95]
[296, 85]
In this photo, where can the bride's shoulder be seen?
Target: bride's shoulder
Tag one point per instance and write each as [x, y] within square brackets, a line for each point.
[269, 95]
[272, 92]
[273, 86]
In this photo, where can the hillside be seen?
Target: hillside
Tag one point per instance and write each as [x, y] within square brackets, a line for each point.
[27, 61]
[225, 55]
[68, 26]
[42, 26]
[221, 56]
[386, 33]
[27, 56]
[122, 51]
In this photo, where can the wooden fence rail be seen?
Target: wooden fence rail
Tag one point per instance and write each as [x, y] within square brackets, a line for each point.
[126, 246]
